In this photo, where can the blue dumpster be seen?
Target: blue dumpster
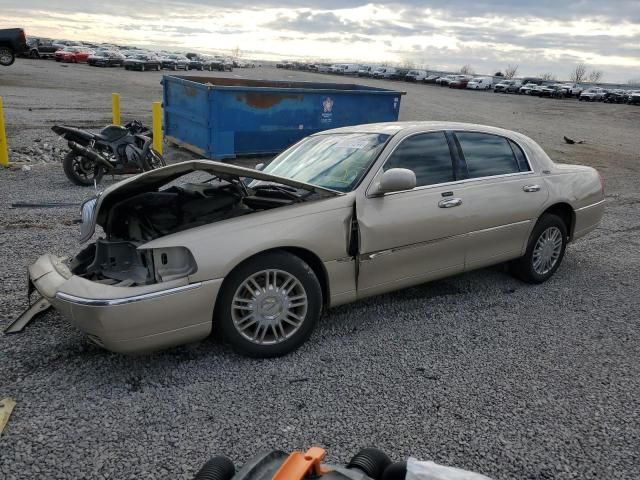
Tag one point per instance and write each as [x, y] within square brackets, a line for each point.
[225, 117]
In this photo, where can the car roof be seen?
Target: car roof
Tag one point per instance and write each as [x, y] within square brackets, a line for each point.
[391, 128]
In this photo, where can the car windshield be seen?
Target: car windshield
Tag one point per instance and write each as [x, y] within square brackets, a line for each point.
[336, 161]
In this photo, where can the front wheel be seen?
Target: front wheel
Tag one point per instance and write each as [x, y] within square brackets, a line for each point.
[269, 305]
[545, 250]
[7, 56]
[80, 170]
[153, 160]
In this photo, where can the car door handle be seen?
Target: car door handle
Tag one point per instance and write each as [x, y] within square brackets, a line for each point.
[531, 188]
[450, 202]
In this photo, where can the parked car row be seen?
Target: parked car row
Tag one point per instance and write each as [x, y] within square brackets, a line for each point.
[525, 86]
[129, 58]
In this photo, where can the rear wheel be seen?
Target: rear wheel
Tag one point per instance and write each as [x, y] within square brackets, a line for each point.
[269, 305]
[545, 250]
[7, 56]
[80, 170]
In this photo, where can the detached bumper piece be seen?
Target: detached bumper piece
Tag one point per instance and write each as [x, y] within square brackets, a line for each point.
[25, 318]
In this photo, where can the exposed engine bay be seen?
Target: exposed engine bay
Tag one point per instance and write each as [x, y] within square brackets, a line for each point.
[166, 209]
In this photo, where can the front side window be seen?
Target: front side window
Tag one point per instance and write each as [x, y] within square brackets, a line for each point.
[487, 155]
[427, 155]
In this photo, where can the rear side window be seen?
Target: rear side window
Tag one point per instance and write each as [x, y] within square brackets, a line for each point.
[520, 158]
[427, 154]
[487, 155]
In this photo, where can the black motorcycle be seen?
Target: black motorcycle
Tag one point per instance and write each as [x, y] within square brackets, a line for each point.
[115, 150]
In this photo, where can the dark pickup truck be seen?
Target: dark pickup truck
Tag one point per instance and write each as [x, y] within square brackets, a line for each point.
[13, 41]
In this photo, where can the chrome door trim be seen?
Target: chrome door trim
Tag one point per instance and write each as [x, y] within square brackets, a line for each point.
[373, 255]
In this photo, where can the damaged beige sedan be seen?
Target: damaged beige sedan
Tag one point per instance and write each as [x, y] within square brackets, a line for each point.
[257, 255]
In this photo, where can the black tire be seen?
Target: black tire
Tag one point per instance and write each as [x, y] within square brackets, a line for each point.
[395, 471]
[80, 170]
[175, 67]
[217, 468]
[523, 268]
[34, 54]
[142, 68]
[307, 283]
[371, 461]
[7, 56]
[153, 160]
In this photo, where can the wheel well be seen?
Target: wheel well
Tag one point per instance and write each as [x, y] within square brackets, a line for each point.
[316, 265]
[566, 213]
[310, 259]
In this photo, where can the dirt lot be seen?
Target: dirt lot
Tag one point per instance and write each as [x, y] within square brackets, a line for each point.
[478, 371]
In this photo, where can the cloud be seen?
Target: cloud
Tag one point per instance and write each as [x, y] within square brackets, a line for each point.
[541, 35]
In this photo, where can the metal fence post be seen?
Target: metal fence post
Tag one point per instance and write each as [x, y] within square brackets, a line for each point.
[4, 150]
[157, 126]
[115, 108]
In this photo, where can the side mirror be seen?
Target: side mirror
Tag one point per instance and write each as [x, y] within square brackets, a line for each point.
[259, 166]
[395, 180]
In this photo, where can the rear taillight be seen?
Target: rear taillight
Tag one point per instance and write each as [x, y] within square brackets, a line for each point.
[23, 36]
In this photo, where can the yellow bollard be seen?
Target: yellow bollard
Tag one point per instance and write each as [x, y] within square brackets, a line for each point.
[115, 108]
[157, 126]
[4, 150]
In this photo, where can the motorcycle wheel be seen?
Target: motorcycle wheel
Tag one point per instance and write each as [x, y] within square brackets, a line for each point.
[154, 160]
[80, 170]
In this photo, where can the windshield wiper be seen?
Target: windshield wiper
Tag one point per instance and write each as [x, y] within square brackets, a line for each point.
[286, 190]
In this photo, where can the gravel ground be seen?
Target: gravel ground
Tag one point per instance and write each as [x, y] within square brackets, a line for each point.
[478, 371]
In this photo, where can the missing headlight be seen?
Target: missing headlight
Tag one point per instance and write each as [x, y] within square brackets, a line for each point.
[87, 210]
[172, 263]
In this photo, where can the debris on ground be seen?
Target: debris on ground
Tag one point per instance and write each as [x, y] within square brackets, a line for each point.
[6, 407]
[570, 141]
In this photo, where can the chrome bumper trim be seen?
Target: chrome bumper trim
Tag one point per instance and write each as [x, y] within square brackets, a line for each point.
[108, 302]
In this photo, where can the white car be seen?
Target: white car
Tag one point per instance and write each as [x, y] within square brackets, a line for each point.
[366, 70]
[336, 68]
[595, 94]
[415, 75]
[350, 69]
[480, 83]
[508, 86]
[527, 88]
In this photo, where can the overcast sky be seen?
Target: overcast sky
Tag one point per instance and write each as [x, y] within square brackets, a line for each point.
[539, 35]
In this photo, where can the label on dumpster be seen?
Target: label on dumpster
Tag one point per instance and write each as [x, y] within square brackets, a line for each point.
[327, 110]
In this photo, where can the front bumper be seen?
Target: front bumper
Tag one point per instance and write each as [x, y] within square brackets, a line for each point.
[128, 319]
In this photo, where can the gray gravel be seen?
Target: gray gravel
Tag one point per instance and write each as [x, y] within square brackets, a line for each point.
[478, 371]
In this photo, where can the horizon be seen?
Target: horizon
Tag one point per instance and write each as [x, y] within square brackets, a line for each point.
[434, 35]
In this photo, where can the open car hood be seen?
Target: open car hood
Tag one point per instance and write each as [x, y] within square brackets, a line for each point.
[154, 179]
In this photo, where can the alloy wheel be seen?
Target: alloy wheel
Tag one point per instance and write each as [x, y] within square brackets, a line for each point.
[547, 250]
[269, 307]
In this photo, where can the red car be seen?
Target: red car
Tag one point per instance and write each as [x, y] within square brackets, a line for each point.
[74, 54]
[460, 83]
